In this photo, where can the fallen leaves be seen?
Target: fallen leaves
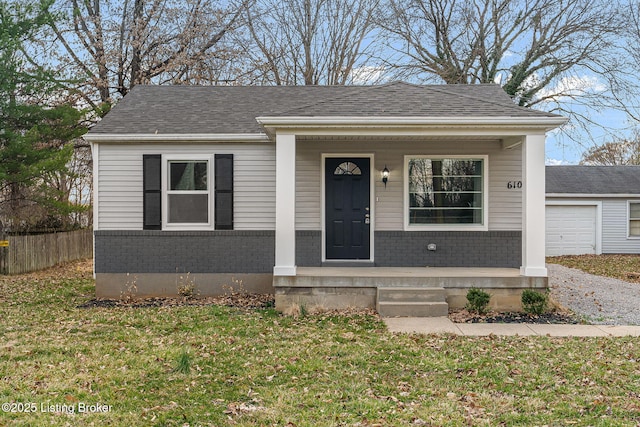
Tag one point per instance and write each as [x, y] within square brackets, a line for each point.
[550, 317]
[236, 300]
[317, 369]
[242, 408]
[618, 266]
[472, 409]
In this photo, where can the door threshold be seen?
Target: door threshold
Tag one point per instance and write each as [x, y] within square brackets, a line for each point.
[348, 263]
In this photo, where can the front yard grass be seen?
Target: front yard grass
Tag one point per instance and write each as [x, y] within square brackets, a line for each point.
[623, 267]
[214, 366]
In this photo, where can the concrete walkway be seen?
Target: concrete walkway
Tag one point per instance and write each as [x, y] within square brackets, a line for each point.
[442, 325]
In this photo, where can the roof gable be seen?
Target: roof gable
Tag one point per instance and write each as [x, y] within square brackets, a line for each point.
[593, 180]
[233, 109]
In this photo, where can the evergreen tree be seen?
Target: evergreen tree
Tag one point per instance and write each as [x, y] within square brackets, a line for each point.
[35, 130]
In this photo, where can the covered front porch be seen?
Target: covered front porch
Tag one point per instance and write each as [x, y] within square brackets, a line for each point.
[300, 195]
[409, 268]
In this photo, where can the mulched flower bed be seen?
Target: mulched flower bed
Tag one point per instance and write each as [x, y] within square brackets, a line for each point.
[551, 317]
[238, 300]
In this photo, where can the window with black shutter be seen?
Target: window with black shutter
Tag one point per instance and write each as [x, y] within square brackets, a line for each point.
[186, 200]
[224, 191]
[152, 189]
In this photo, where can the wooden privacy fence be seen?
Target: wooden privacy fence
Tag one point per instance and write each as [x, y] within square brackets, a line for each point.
[21, 254]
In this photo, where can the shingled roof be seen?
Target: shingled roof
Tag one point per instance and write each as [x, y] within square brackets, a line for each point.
[233, 109]
[593, 180]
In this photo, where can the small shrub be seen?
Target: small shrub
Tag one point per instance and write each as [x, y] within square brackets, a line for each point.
[130, 291]
[534, 302]
[478, 300]
[235, 290]
[187, 288]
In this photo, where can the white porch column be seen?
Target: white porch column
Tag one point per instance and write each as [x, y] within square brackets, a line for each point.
[285, 205]
[533, 206]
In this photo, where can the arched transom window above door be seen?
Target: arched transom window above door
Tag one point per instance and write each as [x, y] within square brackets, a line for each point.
[347, 168]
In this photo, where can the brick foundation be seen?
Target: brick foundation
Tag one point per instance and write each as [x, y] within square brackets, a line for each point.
[453, 249]
[184, 251]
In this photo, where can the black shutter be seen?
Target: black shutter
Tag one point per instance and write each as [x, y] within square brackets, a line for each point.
[152, 189]
[224, 191]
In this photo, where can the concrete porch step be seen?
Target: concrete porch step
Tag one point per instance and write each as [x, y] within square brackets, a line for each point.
[412, 309]
[416, 294]
[411, 302]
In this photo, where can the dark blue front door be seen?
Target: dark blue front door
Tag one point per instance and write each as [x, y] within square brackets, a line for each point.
[347, 195]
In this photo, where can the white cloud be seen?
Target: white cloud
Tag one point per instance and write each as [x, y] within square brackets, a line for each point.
[571, 86]
[367, 75]
[556, 162]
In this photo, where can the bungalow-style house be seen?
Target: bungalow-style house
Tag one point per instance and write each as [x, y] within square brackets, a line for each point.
[397, 196]
[593, 210]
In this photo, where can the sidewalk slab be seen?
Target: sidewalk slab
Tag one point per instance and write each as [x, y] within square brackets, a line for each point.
[557, 330]
[421, 325]
[484, 329]
[442, 325]
[620, 330]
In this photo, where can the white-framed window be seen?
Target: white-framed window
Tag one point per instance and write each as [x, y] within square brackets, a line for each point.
[446, 192]
[193, 192]
[187, 192]
[634, 219]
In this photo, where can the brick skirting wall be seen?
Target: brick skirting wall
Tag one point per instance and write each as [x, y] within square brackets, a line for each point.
[409, 248]
[308, 248]
[453, 249]
[184, 251]
[254, 251]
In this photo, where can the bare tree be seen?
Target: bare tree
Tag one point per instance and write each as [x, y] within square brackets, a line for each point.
[293, 42]
[528, 46]
[115, 45]
[73, 187]
[625, 152]
[625, 84]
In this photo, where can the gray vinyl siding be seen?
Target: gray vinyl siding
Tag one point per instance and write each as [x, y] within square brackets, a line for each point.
[505, 205]
[614, 228]
[119, 183]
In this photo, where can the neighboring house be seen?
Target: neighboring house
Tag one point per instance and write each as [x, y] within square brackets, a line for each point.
[289, 189]
[593, 210]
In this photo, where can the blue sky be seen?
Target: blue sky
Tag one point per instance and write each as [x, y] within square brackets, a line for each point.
[583, 97]
[563, 149]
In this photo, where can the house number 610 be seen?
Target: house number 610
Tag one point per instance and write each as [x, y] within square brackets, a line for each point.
[514, 184]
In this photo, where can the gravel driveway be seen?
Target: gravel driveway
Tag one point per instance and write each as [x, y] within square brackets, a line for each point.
[600, 300]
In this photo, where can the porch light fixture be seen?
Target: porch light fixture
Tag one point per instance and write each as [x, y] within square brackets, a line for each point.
[385, 176]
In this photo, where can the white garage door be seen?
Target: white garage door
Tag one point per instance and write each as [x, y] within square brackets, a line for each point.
[571, 230]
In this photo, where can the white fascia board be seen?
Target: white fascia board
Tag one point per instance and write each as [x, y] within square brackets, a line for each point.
[591, 196]
[176, 137]
[540, 123]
